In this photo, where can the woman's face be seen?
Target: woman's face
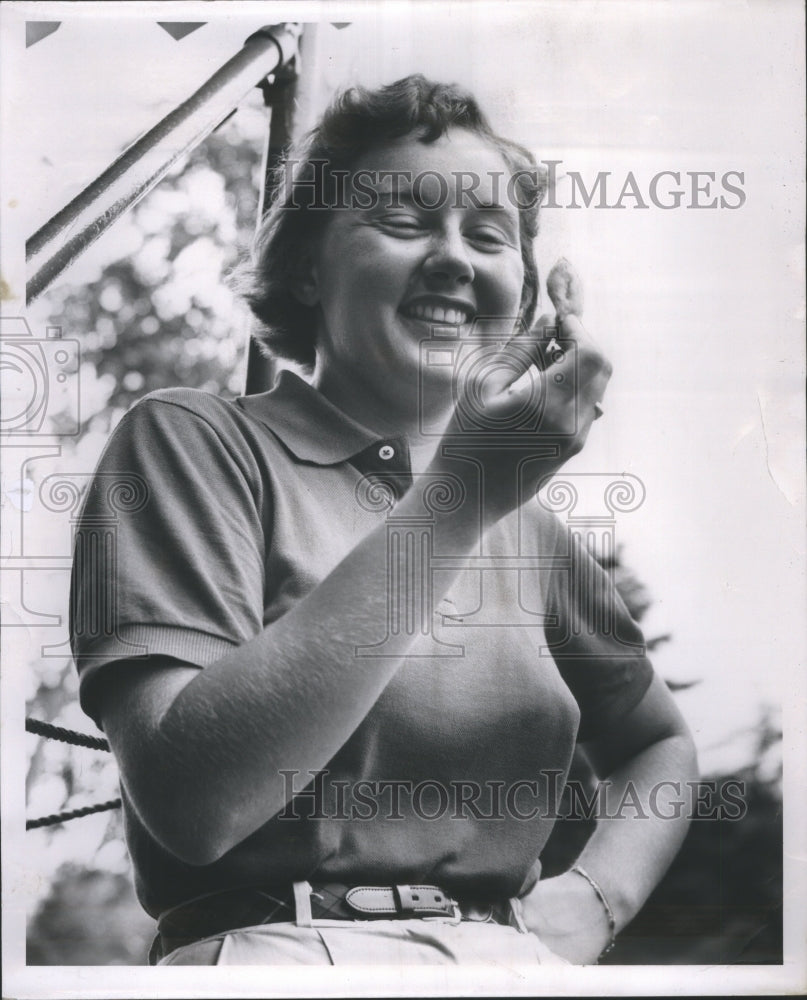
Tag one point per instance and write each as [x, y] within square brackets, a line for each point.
[384, 275]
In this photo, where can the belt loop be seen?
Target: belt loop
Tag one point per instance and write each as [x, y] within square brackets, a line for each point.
[302, 904]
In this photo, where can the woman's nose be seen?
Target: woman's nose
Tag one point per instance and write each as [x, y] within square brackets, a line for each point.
[448, 261]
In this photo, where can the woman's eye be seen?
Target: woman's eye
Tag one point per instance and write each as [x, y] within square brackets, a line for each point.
[488, 237]
[402, 223]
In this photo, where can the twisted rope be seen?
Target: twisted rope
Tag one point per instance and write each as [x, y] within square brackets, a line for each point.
[65, 735]
[62, 817]
[51, 732]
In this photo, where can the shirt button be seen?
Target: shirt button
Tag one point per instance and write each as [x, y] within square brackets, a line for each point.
[386, 452]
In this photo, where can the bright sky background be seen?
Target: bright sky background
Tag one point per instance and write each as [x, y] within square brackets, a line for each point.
[700, 311]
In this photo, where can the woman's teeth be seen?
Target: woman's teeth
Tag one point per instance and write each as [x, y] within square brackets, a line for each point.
[437, 314]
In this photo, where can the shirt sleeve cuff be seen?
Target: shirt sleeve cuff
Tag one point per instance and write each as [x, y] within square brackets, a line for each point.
[140, 642]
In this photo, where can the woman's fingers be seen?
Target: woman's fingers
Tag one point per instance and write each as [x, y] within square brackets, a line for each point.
[567, 367]
[526, 382]
[556, 368]
[592, 369]
[516, 364]
[565, 289]
[537, 394]
[540, 392]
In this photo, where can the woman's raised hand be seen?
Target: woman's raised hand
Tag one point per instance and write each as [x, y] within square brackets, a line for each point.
[527, 408]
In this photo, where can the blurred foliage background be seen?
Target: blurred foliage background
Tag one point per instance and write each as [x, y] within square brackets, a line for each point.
[157, 313]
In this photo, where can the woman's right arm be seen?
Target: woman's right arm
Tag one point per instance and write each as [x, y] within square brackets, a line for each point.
[201, 751]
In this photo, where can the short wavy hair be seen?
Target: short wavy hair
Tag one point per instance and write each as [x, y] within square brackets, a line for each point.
[357, 121]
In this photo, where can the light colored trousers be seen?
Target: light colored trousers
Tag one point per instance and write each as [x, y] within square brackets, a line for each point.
[421, 941]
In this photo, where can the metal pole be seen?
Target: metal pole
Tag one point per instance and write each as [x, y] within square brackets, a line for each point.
[279, 96]
[140, 167]
[295, 99]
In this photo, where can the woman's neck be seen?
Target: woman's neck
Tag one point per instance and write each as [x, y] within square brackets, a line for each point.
[390, 413]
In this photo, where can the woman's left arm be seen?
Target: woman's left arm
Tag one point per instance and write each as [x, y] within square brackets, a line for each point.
[644, 763]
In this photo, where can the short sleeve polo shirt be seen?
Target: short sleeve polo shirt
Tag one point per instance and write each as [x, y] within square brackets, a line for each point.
[241, 508]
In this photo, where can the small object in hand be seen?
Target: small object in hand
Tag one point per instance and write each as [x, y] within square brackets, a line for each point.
[598, 411]
[565, 289]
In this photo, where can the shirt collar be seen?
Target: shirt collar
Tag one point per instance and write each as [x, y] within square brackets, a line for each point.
[314, 430]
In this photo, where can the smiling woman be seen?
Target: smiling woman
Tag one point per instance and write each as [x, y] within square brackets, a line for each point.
[321, 740]
[349, 162]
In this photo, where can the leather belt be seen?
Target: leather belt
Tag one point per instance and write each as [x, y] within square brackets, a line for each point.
[398, 901]
[230, 909]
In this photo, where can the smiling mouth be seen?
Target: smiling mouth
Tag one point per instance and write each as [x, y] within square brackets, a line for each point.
[447, 315]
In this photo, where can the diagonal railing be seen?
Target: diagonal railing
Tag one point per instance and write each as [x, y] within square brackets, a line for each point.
[142, 165]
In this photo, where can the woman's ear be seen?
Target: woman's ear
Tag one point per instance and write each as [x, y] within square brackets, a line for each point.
[304, 283]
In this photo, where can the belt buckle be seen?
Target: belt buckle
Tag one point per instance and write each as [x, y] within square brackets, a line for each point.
[455, 917]
[427, 902]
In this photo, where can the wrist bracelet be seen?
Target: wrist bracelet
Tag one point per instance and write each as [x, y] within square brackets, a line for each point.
[608, 911]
